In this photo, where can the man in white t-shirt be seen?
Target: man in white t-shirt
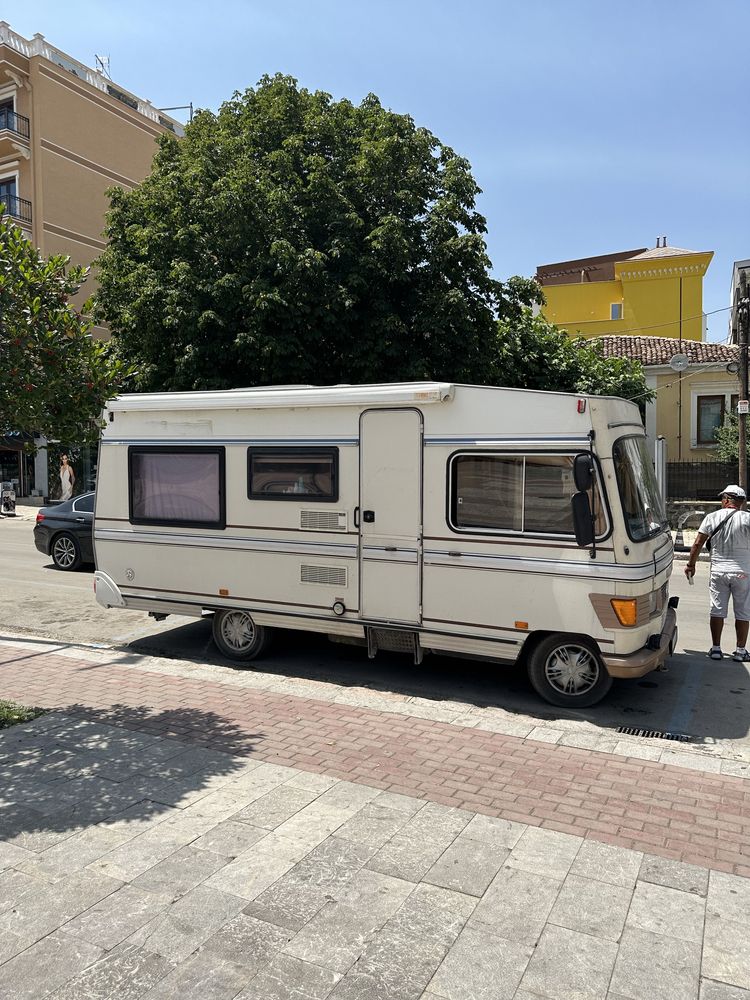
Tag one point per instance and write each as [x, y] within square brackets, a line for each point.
[729, 531]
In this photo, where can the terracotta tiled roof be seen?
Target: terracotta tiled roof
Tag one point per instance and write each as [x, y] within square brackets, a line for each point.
[659, 350]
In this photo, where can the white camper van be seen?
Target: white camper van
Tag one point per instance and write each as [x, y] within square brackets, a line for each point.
[493, 523]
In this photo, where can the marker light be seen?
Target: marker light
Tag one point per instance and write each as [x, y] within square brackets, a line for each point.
[626, 609]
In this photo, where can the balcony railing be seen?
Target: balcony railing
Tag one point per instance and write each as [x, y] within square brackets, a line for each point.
[14, 123]
[18, 208]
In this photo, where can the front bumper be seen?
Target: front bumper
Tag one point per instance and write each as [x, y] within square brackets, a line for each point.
[643, 661]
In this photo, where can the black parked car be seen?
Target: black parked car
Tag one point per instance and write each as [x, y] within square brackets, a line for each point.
[65, 532]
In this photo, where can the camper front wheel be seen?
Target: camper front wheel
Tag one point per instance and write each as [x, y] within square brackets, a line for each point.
[237, 636]
[568, 671]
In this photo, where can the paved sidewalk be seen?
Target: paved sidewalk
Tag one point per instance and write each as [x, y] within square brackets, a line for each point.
[169, 836]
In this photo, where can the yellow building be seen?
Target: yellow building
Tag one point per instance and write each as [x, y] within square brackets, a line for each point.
[657, 292]
[67, 134]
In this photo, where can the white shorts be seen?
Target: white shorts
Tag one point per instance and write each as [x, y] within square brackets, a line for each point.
[720, 586]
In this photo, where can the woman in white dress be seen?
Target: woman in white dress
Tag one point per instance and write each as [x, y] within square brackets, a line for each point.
[67, 478]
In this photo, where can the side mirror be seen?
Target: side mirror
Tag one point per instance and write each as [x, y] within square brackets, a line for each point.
[583, 524]
[583, 472]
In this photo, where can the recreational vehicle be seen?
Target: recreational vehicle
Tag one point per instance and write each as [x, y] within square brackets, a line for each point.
[459, 519]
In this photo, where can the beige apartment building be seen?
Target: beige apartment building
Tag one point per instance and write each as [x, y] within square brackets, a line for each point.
[67, 134]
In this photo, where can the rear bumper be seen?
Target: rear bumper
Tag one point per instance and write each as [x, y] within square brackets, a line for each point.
[41, 540]
[644, 660]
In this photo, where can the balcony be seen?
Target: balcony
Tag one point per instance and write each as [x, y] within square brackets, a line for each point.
[17, 125]
[17, 208]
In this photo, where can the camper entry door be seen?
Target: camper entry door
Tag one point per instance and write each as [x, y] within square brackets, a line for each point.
[390, 515]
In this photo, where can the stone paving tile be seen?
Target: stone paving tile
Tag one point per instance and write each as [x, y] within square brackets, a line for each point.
[467, 866]
[12, 855]
[117, 917]
[516, 905]
[566, 963]
[288, 978]
[411, 852]
[125, 975]
[605, 863]
[45, 965]
[499, 832]
[655, 965]
[726, 950]
[674, 874]
[14, 885]
[336, 937]
[203, 977]
[247, 941]
[480, 966]
[275, 807]
[40, 912]
[591, 907]
[728, 897]
[193, 919]
[662, 910]
[373, 825]
[229, 838]
[433, 913]
[545, 852]
[74, 853]
[179, 873]
[323, 876]
[722, 991]
[255, 870]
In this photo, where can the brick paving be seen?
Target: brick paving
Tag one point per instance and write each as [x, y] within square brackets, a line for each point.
[666, 811]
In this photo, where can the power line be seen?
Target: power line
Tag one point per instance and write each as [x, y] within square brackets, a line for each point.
[638, 329]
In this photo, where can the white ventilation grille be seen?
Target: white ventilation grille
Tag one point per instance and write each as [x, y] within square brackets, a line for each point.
[329, 576]
[322, 520]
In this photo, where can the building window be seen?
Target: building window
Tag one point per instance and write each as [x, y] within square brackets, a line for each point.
[309, 474]
[515, 493]
[615, 310]
[711, 411]
[177, 486]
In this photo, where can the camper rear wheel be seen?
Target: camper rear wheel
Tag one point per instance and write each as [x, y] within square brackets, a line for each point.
[237, 636]
[568, 671]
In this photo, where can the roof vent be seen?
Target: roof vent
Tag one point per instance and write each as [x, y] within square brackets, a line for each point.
[661, 241]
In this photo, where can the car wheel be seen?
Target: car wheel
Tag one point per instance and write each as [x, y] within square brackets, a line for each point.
[568, 671]
[238, 637]
[66, 552]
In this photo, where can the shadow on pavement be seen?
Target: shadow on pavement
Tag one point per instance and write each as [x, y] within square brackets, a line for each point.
[692, 697]
[71, 769]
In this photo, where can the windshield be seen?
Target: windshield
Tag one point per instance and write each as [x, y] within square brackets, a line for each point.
[642, 504]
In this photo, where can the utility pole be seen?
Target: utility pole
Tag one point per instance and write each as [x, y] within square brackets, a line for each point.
[742, 312]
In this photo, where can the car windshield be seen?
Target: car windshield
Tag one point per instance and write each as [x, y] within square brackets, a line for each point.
[642, 504]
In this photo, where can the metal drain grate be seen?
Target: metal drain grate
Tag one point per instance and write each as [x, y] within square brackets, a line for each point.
[653, 734]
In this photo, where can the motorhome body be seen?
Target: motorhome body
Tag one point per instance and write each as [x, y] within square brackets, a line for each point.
[417, 516]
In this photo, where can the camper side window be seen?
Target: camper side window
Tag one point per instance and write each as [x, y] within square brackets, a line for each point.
[520, 493]
[174, 485]
[309, 474]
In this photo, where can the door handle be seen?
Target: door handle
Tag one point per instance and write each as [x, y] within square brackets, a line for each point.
[82, 519]
[356, 517]
[368, 516]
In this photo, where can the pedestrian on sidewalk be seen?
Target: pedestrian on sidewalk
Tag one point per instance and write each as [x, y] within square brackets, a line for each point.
[729, 532]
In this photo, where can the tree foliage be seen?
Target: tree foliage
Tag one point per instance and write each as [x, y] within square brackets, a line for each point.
[728, 440]
[54, 379]
[534, 354]
[294, 238]
[291, 238]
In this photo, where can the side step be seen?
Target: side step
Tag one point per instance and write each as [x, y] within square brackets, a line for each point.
[394, 641]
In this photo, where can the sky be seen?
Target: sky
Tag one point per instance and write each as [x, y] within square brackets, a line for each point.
[591, 127]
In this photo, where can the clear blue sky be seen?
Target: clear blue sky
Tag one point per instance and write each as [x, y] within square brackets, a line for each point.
[591, 127]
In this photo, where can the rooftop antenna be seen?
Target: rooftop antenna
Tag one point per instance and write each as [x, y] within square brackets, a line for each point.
[180, 107]
[102, 65]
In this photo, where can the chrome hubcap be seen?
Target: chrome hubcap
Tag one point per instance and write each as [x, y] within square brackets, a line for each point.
[238, 631]
[64, 552]
[571, 670]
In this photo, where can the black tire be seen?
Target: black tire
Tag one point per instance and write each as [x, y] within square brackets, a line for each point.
[65, 551]
[238, 637]
[567, 671]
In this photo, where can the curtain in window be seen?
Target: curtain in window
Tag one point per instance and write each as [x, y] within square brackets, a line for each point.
[176, 487]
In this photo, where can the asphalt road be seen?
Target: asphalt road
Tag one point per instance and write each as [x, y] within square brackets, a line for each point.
[706, 700]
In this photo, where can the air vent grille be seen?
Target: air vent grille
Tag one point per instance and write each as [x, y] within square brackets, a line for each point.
[322, 520]
[329, 576]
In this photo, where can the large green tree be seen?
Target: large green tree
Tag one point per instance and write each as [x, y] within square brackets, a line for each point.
[54, 379]
[294, 238]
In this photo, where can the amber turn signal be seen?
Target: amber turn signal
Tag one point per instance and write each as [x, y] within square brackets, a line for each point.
[626, 609]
